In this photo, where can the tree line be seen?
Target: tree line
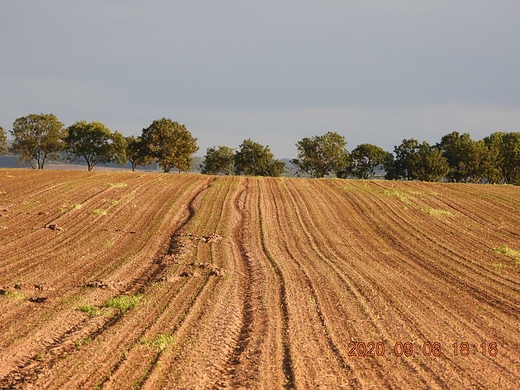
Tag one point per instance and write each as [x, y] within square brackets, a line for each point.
[456, 158]
[39, 138]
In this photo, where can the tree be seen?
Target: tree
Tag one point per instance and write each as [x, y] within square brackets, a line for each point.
[170, 143]
[389, 167]
[254, 159]
[136, 152]
[427, 164]
[398, 167]
[95, 143]
[366, 158]
[218, 161]
[3, 141]
[504, 150]
[467, 158]
[511, 158]
[321, 155]
[38, 138]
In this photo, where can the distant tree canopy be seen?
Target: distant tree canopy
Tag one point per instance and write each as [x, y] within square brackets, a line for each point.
[170, 143]
[458, 158]
[416, 161]
[218, 161]
[467, 159]
[3, 141]
[38, 138]
[322, 155]
[366, 158]
[398, 167]
[504, 150]
[427, 164]
[254, 159]
[137, 153]
[95, 143]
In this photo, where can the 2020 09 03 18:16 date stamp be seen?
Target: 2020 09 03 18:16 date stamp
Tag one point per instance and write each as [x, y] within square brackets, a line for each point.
[407, 349]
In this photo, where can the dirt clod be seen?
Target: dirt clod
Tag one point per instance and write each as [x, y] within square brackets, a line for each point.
[97, 284]
[54, 227]
[37, 299]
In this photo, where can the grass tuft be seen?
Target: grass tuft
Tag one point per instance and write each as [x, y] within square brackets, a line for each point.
[117, 185]
[15, 295]
[505, 250]
[99, 212]
[90, 310]
[123, 302]
[398, 194]
[161, 342]
[437, 213]
[86, 341]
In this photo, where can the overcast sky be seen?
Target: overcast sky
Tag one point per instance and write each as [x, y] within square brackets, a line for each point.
[273, 71]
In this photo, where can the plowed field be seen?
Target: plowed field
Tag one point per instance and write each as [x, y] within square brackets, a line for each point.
[126, 281]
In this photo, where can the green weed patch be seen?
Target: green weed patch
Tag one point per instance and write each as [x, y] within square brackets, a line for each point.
[90, 310]
[123, 302]
[161, 342]
[437, 213]
[99, 212]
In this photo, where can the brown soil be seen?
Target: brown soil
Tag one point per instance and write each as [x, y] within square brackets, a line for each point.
[123, 280]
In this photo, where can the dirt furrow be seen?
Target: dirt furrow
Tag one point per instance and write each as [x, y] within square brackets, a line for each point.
[141, 285]
[237, 282]
[287, 362]
[284, 241]
[169, 340]
[145, 278]
[468, 321]
[256, 359]
[79, 260]
[357, 309]
[235, 371]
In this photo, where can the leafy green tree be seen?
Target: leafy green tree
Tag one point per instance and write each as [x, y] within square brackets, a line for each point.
[170, 143]
[427, 164]
[321, 155]
[96, 144]
[218, 161]
[494, 172]
[468, 159]
[38, 138]
[389, 167]
[511, 158]
[137, 153]
[366, 158]
[504, 150]
[3, 141]
[253, 159]
[398, 167]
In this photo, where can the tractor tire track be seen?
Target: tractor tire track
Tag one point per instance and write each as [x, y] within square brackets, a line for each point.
[244, 363]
